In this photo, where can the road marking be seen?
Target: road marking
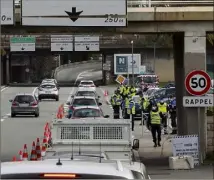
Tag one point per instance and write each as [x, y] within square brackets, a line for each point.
[4, 88]
[34, 90]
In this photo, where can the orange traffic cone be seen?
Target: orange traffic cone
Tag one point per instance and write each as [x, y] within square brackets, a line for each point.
[44, 145]
[46, 136]
[38, 150]
[14, 158]
[20, 155]
[46, 125]
[33, 156]
[25, 153]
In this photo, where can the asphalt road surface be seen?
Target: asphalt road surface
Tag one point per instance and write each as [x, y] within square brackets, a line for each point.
[20, 130]
[92, 71]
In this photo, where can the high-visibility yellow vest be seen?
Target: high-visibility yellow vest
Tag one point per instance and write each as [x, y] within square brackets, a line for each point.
[127, 103]
[162, 108]
[115, 100]
[145, 104]
[155, 118]
[131, 110]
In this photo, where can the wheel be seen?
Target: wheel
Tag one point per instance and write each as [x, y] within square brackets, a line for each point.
[57, 98]
[13, 114]
[37, 115]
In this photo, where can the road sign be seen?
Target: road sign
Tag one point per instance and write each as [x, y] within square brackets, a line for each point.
[120, 79]
[61, 43]
[200, 101]
[74, 13]
[7, 12]
[198, 83]
[123, 63]
[22, 44]
[87, 43]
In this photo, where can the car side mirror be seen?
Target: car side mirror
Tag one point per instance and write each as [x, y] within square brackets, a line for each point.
[10, 100]
[136, 144]
[106, 116]
[100, 104]
[68, 103]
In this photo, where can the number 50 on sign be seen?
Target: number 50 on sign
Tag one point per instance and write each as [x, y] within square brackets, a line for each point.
[198, 83]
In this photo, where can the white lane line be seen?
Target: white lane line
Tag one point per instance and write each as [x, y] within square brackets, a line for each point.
[4, 88]
[34, 91]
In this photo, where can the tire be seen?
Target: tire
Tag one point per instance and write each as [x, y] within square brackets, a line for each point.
[57, 98]
[37, 115]
[13, 115]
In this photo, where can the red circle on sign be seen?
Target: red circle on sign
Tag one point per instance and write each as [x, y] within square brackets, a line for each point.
[190, 90]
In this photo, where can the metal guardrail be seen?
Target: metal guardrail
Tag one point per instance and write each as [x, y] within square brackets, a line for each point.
[163, 3]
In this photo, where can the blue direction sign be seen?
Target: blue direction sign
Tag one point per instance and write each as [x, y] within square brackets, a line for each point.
[121, 64]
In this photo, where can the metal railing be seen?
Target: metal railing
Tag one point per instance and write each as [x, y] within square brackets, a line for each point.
[163, 3]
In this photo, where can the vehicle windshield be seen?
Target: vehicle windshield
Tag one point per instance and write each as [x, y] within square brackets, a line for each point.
[24, 99]
[84, 102]
[43, 176]
[159, 93]
[87, 112]
[48, 86]
[149, 92]
[86, 83]
[136, 99]
[85, 93]
[149, 79]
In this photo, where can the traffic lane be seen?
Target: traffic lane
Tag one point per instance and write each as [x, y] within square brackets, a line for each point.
[15, 132]
[72, 73]
[10, 93]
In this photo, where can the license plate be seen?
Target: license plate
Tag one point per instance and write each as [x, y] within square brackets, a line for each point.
[48, 92]
[23, 105]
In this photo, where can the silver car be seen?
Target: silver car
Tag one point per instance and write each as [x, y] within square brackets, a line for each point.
[48, 91]
[24, 104]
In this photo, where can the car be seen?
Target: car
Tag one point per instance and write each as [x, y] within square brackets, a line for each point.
[80, 167]
[163, 94]
[87, 83]
[48, 91]
[24, 104]
[84, 91]
[84, 101]
[150, 92]
[44, 81]
[87, 112]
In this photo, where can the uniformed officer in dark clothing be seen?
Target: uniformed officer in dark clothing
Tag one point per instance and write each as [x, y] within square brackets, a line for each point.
[173, 115]
[154, 119]
[116, 102]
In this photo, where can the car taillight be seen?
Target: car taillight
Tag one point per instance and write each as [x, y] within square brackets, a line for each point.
[15, 103]
[34, 103]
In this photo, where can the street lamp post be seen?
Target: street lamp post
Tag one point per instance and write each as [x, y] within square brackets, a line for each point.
[132, 42]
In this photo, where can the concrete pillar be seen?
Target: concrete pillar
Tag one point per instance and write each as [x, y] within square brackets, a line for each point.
[190, 54]
[7, 69]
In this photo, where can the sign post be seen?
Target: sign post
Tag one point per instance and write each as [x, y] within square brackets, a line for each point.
[198, 83]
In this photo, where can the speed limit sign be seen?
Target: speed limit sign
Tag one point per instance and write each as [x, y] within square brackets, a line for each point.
[198, 83]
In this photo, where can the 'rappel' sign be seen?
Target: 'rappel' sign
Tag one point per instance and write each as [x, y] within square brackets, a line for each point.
[198, 83]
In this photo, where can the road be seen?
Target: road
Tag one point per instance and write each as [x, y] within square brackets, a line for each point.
[15, 132]
[92, 71]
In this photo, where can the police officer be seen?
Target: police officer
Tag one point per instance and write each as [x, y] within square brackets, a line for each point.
[121, 88]
[131, 111]
[163, 108]
[173, 115]
[116, 102]
[154, 120]
[133, 90]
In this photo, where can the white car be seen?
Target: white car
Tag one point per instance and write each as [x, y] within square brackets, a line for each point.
[48, 91]
[85, 91]
[80, 167]
[88, 84]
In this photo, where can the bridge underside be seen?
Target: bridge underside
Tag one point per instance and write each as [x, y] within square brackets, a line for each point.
[133, 27]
